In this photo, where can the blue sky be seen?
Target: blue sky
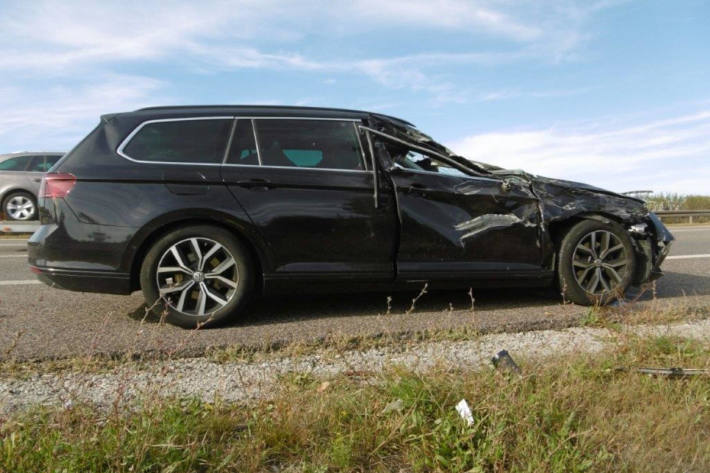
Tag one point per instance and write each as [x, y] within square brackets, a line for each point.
[615, 93]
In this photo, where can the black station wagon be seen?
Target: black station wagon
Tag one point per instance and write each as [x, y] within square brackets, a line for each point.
[203, 206]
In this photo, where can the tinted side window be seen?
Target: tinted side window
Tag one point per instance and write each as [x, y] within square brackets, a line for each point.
[243, 146]
[327, 144]
[15, 164]
[38, 164]
[183, 141]
[52, 160]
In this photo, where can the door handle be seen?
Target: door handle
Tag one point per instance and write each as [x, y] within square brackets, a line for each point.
[416, 188]
[252, 183]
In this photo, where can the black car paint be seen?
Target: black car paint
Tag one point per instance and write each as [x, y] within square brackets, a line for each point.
[313, 228]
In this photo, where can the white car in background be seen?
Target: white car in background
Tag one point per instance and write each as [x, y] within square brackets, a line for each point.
[20, 178]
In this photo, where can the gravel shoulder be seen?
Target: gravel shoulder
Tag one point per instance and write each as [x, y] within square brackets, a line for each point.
[236, 381]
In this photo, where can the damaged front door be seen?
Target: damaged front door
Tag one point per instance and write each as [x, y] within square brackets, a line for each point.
[456, 224]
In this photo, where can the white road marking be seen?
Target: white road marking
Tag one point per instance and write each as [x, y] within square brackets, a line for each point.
[688, 256]
[697, 228]
[24, 255]
[20, 282]
[14, 244]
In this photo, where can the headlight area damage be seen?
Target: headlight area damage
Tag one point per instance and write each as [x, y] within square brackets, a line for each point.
[561, 201]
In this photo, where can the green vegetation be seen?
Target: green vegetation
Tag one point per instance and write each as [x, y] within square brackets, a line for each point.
[658, 202]
[678, 202]
[577, 413]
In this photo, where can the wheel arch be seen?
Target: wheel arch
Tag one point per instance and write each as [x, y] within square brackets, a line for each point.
[5, 193]
[152, 232]
[559, 228]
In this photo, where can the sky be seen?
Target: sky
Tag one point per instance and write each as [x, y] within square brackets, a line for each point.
[610, 92]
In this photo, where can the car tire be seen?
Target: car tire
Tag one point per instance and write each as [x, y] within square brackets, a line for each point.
[596, 263]
[20, 206]
[187, 279]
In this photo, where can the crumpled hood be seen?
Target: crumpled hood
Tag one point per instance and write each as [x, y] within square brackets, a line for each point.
[581, 186]
[561, 199]
[561, 184]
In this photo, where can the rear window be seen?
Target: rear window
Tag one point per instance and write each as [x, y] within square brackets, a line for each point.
[328, 144]
[180, 141]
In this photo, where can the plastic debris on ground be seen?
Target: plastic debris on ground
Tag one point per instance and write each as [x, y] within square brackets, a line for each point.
[504, 362]
[465, 411]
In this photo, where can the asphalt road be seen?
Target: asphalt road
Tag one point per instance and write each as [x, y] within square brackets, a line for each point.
[38, 322]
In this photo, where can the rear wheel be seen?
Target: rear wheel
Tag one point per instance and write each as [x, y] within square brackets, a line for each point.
[596, 262]
[198, 275]
[20, 205]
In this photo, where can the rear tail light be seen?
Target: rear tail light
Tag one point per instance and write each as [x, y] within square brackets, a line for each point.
[56, 185]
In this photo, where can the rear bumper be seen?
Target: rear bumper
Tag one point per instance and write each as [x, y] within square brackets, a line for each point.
[84, 281]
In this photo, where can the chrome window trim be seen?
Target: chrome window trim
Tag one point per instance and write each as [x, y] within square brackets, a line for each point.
[256, 139]
[362, 150]
[375, 176]
[135, 131]
[229, 141]
[267, 166]
[235, 118]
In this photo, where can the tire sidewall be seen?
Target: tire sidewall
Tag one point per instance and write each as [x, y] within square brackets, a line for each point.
[567, 280]
[223, 237]
[25, 194]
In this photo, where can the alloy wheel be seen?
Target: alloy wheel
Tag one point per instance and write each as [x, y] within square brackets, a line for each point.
[600, 262]
[20, 207]
[197, 276]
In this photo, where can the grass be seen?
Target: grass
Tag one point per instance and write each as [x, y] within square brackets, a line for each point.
[574, 413]
[654, 312]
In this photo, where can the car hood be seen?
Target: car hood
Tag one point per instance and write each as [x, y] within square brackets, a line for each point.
[561, 199]
[561, 184]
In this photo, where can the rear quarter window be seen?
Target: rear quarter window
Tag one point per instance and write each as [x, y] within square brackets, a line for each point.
[179, 141]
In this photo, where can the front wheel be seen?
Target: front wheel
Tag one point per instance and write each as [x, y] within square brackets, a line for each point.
[197, 275]
[596, 262]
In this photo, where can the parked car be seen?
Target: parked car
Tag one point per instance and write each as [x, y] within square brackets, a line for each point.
[202, 207]
[20, 177]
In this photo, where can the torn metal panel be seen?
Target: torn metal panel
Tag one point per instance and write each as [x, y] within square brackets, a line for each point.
[485, 223]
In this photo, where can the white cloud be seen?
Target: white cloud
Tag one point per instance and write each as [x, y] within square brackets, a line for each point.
[447, 14]
[64, 39]
[62, 115]
[50, 35]
[622, 158]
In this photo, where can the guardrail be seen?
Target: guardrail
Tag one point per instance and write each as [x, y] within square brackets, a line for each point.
[10, 226]
[689, 214]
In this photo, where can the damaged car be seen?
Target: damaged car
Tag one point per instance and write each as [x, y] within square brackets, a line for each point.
[203, 207]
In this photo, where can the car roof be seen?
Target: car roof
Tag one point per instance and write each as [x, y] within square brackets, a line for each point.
[255, 111]
[30, 153]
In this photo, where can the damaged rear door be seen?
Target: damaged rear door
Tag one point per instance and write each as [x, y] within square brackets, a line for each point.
[459, 225]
